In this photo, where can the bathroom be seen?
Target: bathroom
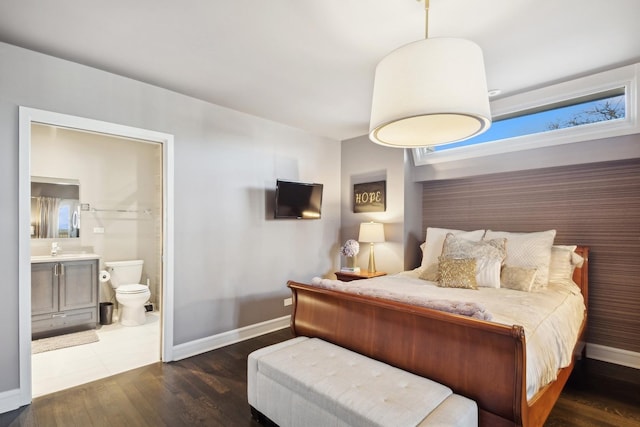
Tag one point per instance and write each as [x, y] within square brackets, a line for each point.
[120, 219]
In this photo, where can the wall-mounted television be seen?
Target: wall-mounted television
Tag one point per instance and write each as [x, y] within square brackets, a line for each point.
[298, 200]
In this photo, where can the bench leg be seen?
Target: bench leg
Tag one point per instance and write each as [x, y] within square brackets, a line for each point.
[261, 418]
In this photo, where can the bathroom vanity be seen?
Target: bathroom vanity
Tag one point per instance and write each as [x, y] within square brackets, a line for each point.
[64, 294]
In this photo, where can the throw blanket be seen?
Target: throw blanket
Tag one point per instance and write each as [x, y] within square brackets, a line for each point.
[464, 308]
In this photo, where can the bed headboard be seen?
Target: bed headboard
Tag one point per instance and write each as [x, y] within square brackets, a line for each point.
[564, 198]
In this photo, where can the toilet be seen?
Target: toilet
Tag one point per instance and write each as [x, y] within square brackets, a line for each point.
[130, 294]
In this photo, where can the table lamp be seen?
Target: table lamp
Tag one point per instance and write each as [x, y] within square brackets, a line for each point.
[371, 232]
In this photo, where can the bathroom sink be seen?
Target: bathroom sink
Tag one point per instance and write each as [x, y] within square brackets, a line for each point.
[70, 256]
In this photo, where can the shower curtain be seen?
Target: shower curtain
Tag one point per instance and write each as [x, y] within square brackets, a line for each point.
[46, 224]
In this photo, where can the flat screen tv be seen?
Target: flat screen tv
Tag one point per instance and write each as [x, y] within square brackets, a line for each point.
[298, 200]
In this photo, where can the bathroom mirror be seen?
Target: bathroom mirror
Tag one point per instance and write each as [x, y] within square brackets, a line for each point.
[55, 208]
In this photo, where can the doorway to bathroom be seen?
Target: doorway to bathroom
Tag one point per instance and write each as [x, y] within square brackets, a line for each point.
[125, 177]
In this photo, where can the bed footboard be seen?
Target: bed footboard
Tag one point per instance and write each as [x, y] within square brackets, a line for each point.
[481, 360]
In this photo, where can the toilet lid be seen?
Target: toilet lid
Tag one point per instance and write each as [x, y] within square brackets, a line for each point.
[131, 289]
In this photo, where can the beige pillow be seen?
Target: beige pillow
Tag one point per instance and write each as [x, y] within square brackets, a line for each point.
[563, 261]
[528, 250]
[435, 239]
[518, 278]
[430, 273]
[560, 267]
[457, 273]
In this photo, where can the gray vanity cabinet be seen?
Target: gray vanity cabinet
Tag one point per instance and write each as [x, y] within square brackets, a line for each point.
[64, 297]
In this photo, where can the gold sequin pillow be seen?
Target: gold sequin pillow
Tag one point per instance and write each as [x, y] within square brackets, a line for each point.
[457, 273]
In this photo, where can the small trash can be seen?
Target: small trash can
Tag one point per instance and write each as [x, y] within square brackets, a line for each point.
[106, 313]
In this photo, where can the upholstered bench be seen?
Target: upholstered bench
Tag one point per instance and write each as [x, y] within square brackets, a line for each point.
[310, 382]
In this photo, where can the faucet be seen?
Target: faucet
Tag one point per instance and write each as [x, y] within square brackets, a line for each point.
[55, 248]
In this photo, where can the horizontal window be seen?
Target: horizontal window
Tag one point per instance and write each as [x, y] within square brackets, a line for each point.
[562, 118]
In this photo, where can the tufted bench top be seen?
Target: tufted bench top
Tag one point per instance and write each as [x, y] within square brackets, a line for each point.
[353, 388]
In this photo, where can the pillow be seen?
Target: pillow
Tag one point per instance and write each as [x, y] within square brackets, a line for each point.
[488, 272]
[528, 250]
[430, 273]
[563, 261]
[489, 255]
[576, 260]
[435, 239]
[457, 273]
[518, 278]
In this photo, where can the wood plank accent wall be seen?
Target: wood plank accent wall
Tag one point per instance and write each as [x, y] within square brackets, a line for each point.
[597, 205]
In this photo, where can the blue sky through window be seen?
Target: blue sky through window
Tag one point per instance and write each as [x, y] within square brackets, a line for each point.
[64, 217]
[544, 121]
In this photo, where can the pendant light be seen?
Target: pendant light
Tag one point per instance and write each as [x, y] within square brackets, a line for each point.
[430, 92]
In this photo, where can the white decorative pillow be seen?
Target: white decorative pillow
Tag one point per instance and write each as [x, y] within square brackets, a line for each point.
[488, 272]
[435, 239]
[518, 278]
[563, 261]
[489, 255]
[528, 250]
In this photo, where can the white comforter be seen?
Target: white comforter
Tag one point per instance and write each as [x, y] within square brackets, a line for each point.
[551, 318]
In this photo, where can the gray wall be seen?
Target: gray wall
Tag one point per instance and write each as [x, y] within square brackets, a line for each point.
[597, 150]
[364, 161]
[231, 259]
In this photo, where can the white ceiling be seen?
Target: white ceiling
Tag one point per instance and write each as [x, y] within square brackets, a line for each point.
[310, 64]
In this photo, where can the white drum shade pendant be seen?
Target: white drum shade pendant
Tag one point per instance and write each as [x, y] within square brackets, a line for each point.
[430, 92]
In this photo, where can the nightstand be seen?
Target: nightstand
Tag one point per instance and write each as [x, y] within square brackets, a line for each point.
[347, 277]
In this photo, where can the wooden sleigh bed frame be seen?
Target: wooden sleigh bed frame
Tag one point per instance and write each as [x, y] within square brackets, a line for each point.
[481, 360]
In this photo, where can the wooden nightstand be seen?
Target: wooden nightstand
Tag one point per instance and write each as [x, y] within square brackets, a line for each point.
[347, 277]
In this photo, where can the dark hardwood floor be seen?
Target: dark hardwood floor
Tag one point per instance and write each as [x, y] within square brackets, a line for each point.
[598, 394]
[210, 390]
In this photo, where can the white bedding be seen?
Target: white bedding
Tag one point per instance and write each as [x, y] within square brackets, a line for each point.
[551, 317]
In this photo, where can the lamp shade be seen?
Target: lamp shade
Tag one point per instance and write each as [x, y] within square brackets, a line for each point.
[371, 232]
[430, 92]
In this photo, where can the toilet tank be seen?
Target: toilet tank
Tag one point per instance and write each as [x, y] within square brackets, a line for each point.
[124, 272]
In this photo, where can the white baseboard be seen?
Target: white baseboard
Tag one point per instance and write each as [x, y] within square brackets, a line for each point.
[192, 348]
[10, 400]
[613, 355]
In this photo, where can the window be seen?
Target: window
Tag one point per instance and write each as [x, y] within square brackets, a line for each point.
[570, 112]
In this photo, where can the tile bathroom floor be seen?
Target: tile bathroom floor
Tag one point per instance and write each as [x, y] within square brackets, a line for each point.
[119, 349]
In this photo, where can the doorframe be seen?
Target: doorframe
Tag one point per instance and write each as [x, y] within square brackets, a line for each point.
[27, 116]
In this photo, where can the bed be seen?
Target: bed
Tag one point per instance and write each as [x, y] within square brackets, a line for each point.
[484, 360]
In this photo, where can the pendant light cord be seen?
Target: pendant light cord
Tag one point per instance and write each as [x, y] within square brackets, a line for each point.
[426, 19]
